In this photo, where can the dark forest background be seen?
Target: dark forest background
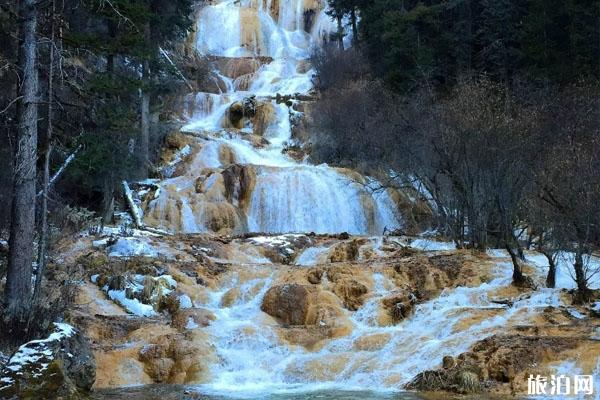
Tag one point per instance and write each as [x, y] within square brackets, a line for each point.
[490, 109]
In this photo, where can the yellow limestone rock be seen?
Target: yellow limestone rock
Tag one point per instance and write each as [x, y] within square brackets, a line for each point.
[372, 342]
[309, 315]
[250, 32]
[265, 115]
[116, 368]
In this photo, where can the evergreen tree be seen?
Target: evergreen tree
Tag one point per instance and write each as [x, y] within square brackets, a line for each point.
[560, 39]
[128, 35]
[498, 37]
[18, 290]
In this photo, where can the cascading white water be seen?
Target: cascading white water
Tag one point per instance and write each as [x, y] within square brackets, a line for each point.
[289, 196]
[253, 361]
[304, 199]
[294, 196]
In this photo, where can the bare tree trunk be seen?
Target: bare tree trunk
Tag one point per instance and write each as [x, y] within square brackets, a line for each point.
[43, 235]
[518, 277]
[340, 32]
[551, 277]
[135, 212]
[144, 158]
[108, 202]
[583, 292]
[17, 293]
[145, 128]
[354, 26]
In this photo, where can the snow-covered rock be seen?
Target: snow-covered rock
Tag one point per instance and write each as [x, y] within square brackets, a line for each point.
[132, 247]
[62, 365]
[432, 245]
[139, 295]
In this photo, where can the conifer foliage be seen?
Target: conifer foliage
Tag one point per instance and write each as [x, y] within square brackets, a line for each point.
[80, 78]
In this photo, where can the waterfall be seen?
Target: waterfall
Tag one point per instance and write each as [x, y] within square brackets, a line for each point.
[253, 361]
[264, 46]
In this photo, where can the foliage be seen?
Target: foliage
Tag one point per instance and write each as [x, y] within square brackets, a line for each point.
[411, 43]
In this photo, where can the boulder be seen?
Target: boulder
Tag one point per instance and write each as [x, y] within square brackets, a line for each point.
[399, 304]
[235, 115]
[350, 284]
[239, 181]
[294, 304]
[246, 108]
[346, 251]
[191, 318]
[60, 365]
[230, 297]
[494, 363]
[289, 303]
[351, 292]
[295, 152]
[263, 117]
[315, 275]
[176, 358]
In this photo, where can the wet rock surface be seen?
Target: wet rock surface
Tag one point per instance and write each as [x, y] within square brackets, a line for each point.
[500, 363]
[233, 304]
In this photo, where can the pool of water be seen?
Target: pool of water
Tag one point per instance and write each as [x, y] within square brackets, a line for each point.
[175, 392]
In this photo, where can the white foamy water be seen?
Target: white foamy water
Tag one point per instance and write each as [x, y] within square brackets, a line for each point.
[289, 196]
[254, 362]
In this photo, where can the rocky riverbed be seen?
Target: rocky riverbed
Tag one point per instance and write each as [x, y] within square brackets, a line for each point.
[265, 316]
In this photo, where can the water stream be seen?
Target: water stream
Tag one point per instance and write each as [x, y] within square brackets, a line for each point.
[288, 195]
[254, 363]
[295, 196]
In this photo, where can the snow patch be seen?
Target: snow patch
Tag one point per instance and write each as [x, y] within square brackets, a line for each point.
[564, 269]
[431, 245]
[275, 241]
[134, 306]
[132, 247]
[35, 351]
[185, 301]
[191, 324]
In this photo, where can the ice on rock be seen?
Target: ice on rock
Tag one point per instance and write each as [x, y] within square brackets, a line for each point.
[185, 301]
[132, 247]
[431, 245]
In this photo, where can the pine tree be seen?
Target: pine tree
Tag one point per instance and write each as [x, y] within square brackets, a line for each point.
[498, 37]
[129, 35]
[17, 292]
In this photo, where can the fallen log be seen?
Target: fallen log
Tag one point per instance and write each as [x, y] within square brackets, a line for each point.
[133, 208]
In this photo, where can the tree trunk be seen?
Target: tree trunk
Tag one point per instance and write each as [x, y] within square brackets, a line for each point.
[144, 147]
[551, 278]
[145, 129]
[583, 292]
[108, 202]
[17, 293]
[43, 235]
[518, 277]
[354, 27]
[340, 32]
